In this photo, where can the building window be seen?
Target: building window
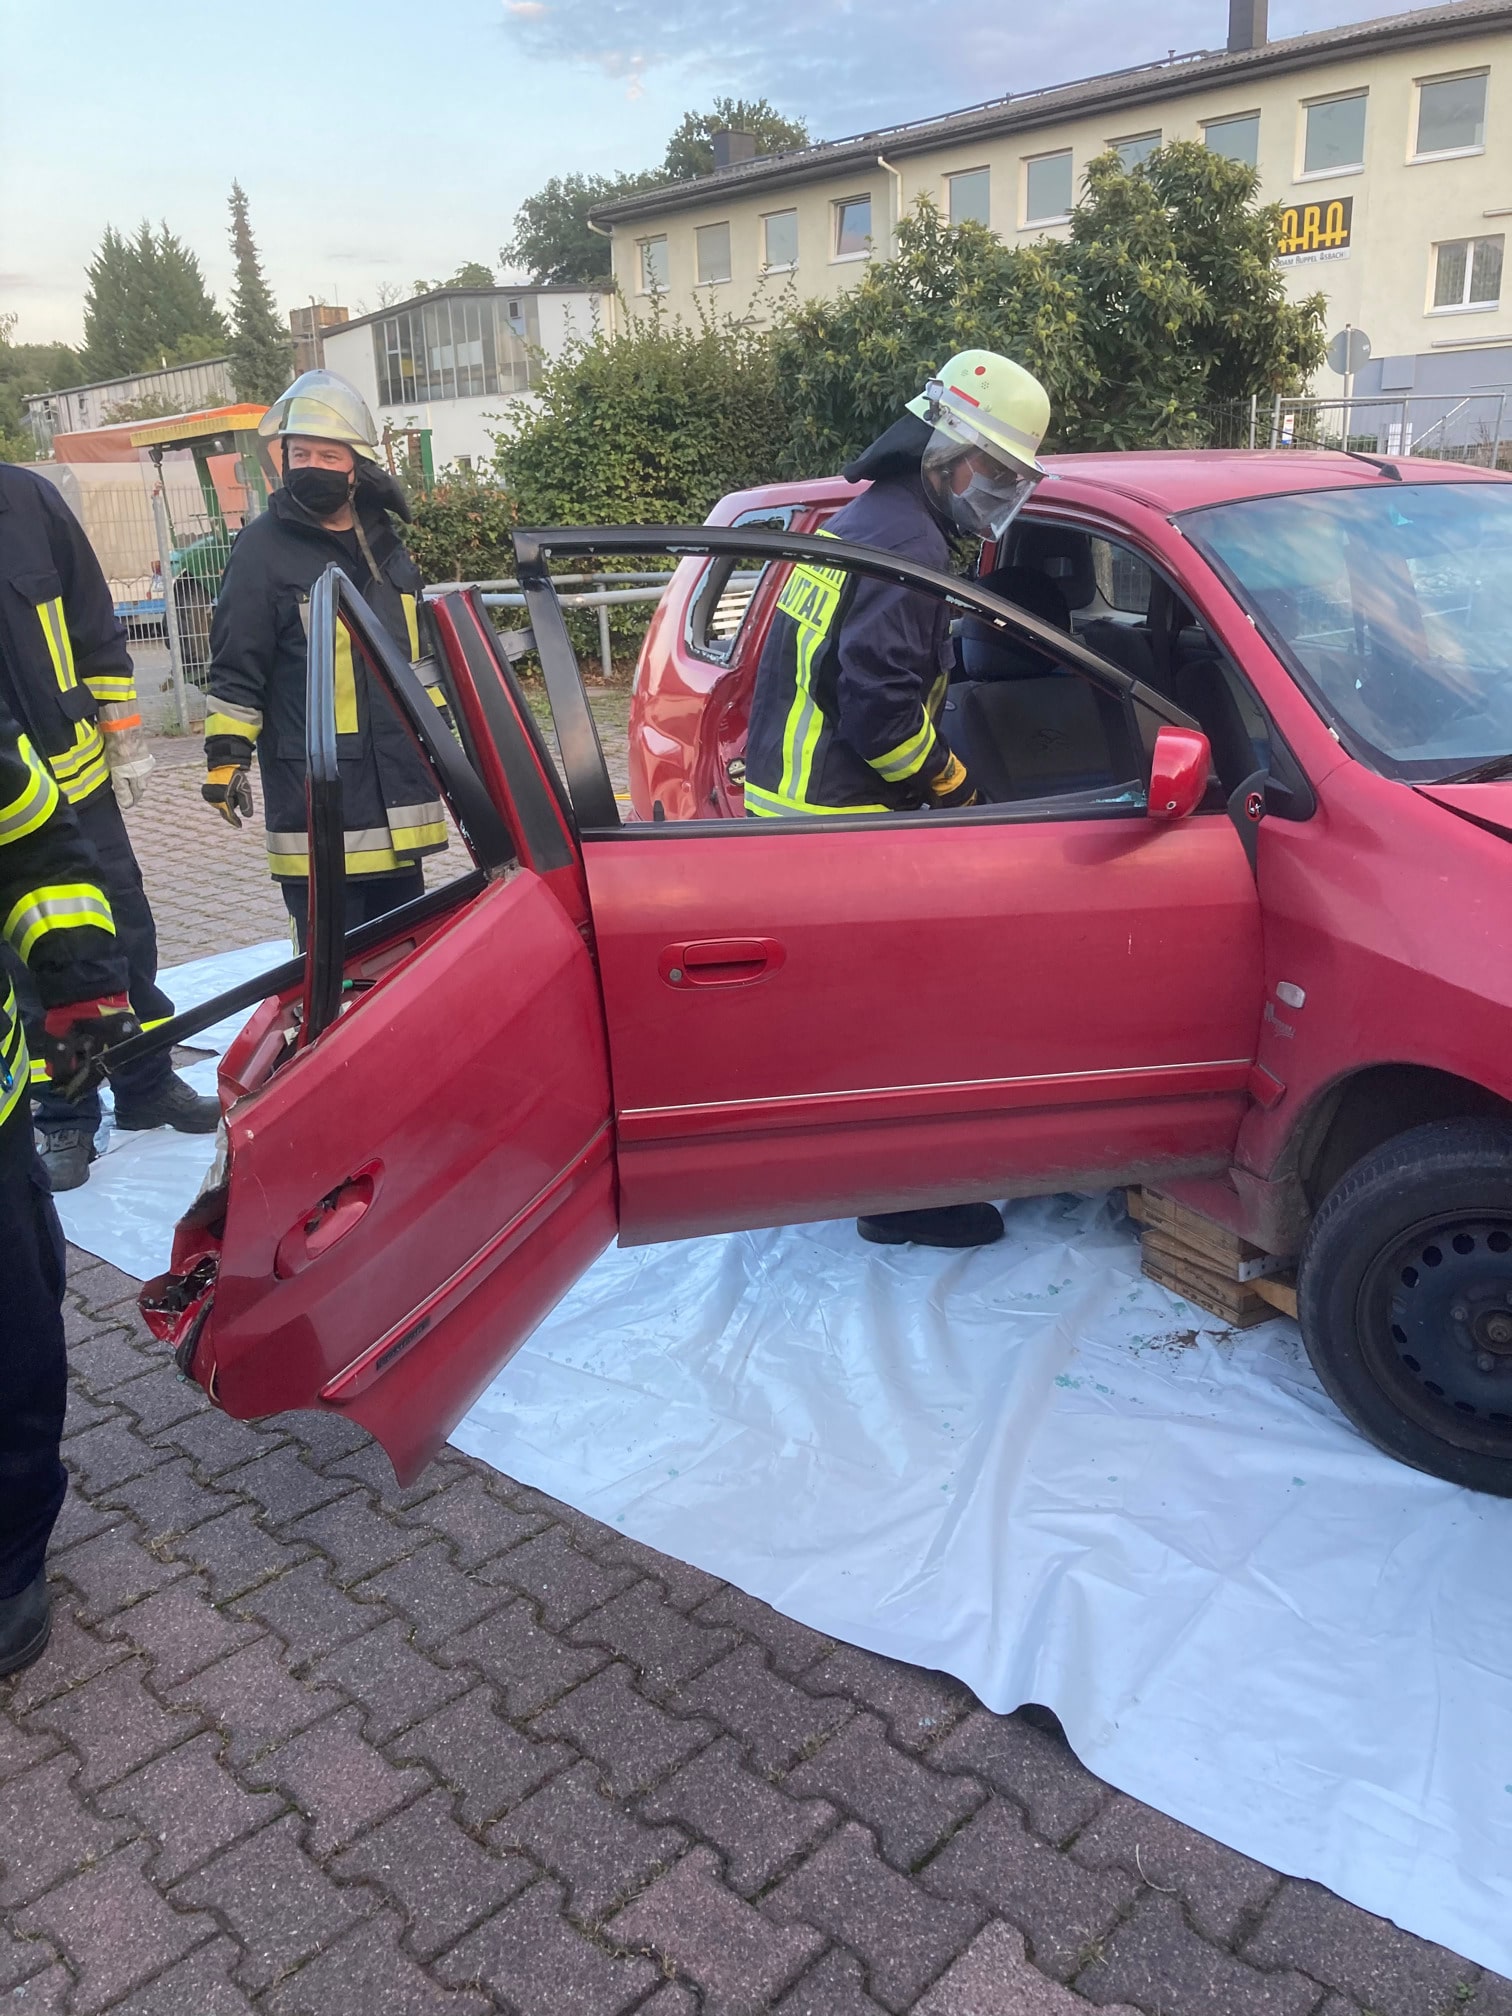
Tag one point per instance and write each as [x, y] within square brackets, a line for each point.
[1139, 147]
[1467, 273]
[1047, 188]
[712, 245]
[1451, 115]
[1334, 135]
[1236, 139]
[779, 240]
[653, 266]
[853, 230]
[969, 197]
[457, 347]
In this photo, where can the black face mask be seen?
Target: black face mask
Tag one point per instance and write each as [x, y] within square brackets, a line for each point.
[321, 491]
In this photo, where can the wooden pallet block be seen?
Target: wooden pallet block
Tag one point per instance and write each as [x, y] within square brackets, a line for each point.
[1220, 1248]
[1175, 1267]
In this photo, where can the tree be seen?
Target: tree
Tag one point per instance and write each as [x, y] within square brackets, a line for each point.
[26, 368]
[471, 273]
[553, 241]
[261, 350]
[1164, 299]
[147, 306]
[690, 151]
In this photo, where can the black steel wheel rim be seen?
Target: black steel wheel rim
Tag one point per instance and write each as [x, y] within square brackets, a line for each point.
[1435, 1325]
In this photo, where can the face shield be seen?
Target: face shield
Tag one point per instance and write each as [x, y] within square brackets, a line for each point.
[973, 483]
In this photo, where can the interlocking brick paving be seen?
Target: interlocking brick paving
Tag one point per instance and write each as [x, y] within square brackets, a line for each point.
[305, 1743]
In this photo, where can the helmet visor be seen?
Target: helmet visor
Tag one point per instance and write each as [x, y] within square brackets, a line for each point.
[978, 489]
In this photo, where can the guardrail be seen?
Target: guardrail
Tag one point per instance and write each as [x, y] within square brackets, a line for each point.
[507, 594]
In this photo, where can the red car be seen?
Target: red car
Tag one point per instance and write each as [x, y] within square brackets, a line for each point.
[1232, 922]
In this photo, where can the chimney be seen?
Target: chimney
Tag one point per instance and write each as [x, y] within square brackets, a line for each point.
[731, 148]
[1246, 25]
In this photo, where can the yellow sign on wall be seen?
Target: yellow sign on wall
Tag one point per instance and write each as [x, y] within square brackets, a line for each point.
[1312, 231]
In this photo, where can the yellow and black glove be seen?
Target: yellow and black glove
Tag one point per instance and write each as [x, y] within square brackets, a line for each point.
[952, 786]
[229, 790]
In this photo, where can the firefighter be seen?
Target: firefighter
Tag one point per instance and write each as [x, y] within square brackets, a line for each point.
[66, 677]
[854, 670]
[334, 503]
[56, 917]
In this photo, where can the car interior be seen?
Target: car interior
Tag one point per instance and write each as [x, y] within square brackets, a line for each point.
[1027, 727]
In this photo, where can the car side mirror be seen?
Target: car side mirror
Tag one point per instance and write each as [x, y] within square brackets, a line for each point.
[1179, 773]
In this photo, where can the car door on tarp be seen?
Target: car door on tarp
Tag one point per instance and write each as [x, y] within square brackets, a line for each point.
[810, 1018]
[410, 1191]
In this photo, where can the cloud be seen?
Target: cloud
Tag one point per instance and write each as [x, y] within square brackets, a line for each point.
[852, 64]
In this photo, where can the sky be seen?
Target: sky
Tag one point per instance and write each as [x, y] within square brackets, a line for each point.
[385, 141]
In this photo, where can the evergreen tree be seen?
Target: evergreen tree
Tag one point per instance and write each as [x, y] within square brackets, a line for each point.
[261, 349]
[147, 305]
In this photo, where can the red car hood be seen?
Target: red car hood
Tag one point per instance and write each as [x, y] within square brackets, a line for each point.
[1488, 805]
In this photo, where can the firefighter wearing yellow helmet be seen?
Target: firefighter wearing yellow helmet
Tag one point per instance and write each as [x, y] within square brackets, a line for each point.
[853, 673]
[336, 502]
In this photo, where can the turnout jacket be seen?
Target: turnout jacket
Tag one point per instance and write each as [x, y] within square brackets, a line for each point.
[258, 654]
[853, 673]
[65, 674]
[53, 912]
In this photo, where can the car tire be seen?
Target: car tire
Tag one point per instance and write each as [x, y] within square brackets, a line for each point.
[1404, 1293]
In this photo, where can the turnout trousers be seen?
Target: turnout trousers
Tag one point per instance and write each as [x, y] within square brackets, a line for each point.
[33, 1363]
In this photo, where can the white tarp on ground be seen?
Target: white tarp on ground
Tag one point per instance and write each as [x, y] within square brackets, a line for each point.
[1035, 1469]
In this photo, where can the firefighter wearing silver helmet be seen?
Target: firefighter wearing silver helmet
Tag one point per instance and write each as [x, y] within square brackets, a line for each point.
[853, 672]
[336, 502]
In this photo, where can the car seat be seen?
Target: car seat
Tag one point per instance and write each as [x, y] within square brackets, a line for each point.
[985, 652]
[1039, 738]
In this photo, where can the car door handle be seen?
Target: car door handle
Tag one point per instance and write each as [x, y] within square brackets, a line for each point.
[331, 1220]
[720, 962]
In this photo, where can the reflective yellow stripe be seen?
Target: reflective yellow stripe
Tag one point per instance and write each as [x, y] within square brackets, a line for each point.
[346, 684]
[226, 717]
[15, 1073]
[908, 757]
[56, 908]
[110, 690]
[59, 646]
[412, 624]
[777, 804]
[82, 769]
[35, 804]
[810, 599]
[418, 839]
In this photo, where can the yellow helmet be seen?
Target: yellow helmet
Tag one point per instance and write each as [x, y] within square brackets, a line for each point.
[982, 400]
[322, 407]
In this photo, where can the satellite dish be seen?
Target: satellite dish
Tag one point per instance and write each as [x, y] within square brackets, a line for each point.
[1348, 352]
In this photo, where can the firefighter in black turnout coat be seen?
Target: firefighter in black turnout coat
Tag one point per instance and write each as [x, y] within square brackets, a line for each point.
[854, 670]
[67, 679]
[57, 919]
[334, 504]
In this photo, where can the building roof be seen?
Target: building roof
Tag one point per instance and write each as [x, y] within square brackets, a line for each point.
[1016, 112]
[130, 378]
[469, 293]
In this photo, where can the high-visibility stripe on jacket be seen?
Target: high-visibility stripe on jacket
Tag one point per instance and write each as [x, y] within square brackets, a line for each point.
[52, 913]
[852, 675]
[65, 673]
[257, 683]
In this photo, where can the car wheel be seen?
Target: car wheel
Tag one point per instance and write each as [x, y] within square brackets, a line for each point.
[194, 623]
[1404, 1293]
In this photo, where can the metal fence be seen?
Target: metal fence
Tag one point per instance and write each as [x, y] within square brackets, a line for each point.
[1472, 427]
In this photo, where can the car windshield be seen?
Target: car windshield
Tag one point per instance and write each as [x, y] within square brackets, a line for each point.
[1393, 606]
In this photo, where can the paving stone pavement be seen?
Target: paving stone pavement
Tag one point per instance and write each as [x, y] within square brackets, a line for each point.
[305, 1743]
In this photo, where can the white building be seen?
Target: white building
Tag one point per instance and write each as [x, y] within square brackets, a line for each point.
[456, 360]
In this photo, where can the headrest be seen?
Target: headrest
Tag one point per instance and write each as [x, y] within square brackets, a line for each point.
[1030, 590]
[1063, 555]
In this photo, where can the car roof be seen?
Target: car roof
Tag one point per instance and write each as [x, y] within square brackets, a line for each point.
[1169, 479]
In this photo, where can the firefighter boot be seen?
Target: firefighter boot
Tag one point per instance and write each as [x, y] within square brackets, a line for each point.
[177, 1106]
[66, 1153]
[947, 1225]
[25, 1622]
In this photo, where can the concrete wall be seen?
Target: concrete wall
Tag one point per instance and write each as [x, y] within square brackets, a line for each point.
[1383, 283]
